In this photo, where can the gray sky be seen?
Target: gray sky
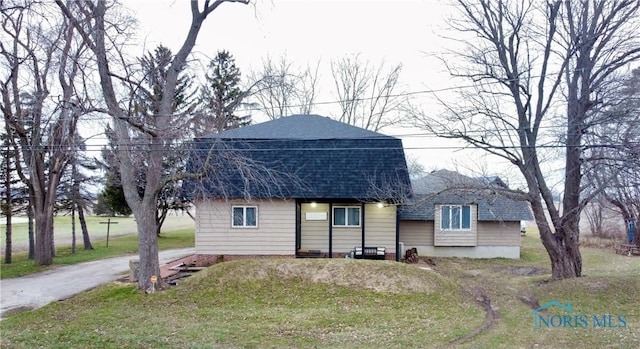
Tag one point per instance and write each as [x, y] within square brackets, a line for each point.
[407, 32]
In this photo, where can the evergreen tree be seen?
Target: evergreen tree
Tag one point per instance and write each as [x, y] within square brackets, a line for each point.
[220, 97]
[111, 200]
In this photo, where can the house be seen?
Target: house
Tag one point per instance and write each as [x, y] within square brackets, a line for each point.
[452, 215]
[303, 185]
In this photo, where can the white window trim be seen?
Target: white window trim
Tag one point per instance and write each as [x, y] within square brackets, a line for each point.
[460, 207]
[244, 217]
[346, 218]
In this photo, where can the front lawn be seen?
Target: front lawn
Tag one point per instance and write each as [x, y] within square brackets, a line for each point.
[341, 303]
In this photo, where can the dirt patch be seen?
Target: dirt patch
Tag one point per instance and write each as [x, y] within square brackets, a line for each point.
[525, 271]
[490, 316]
[529, 299]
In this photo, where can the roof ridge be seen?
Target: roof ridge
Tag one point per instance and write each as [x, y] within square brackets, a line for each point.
[300, 127]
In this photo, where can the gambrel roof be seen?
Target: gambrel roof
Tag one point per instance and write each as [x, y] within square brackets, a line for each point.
[451, 188]
[300, 127]
[299, 156]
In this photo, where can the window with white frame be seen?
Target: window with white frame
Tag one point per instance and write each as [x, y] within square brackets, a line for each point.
[244, 216]
[346, 216]
[455, 217]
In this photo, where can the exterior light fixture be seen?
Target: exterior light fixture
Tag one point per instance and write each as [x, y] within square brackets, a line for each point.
[380, 205]
[314, 204]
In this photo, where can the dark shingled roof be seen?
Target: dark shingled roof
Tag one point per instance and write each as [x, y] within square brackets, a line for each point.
[447, 187]
[300, 156]
[300, 127]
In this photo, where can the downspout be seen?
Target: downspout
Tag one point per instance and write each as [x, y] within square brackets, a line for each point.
[398, 234]
[298, 226]
[362, 207]
[331, 230]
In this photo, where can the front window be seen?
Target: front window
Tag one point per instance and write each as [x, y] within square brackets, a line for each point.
[245, 216]
[346, 216]
[455, 217]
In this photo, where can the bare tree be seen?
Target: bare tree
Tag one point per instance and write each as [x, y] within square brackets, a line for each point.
[41, 103]
[537, 69]
[416, 169]
[281, 88]
[90, 18]
[620, 185]
[614, 164]
[368, 96]
[7, 209]
[595, 215]
[74, 195]
[626, 197]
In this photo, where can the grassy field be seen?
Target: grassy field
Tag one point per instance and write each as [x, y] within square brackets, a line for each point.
[348, 303]
[95, 225]
[177, 233]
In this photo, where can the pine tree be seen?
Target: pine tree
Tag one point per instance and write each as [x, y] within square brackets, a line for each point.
[111, 200]
[220, 97]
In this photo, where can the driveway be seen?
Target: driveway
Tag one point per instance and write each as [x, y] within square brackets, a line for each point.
[37, 290]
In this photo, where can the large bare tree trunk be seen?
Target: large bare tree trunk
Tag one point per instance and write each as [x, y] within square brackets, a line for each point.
[73, 227]
[527, 58]
[86, 240]
[8, 245]
[43, 231]
[147, 244]
[7, 207]
[159, 133]
[32, 235]
[44, 125]
[45, 198]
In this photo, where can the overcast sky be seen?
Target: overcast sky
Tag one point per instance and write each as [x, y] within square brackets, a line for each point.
[407, 32]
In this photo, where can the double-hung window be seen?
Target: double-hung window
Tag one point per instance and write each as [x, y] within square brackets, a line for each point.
[455, 217]
[244, 216]
[346, 216]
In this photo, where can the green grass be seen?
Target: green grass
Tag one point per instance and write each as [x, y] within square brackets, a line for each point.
[609, 286]
[341, 303]
[258, 304]
[95, 225]
[118, 246]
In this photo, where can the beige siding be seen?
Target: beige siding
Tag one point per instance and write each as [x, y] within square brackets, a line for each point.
[380, 229]
[456, 237]
[420, 233]
[380, 226]
[274, 235]
[315, 233]
[494, 240]
[499, 234]
[416, 233]
[345, 239]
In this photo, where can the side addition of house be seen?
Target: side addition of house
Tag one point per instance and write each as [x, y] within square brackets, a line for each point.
[457, 216]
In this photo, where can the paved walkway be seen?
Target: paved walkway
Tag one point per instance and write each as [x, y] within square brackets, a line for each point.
[37, 290]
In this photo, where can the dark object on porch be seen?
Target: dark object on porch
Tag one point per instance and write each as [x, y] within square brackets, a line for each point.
[369, 253]
[310, 254]
[411, 255]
